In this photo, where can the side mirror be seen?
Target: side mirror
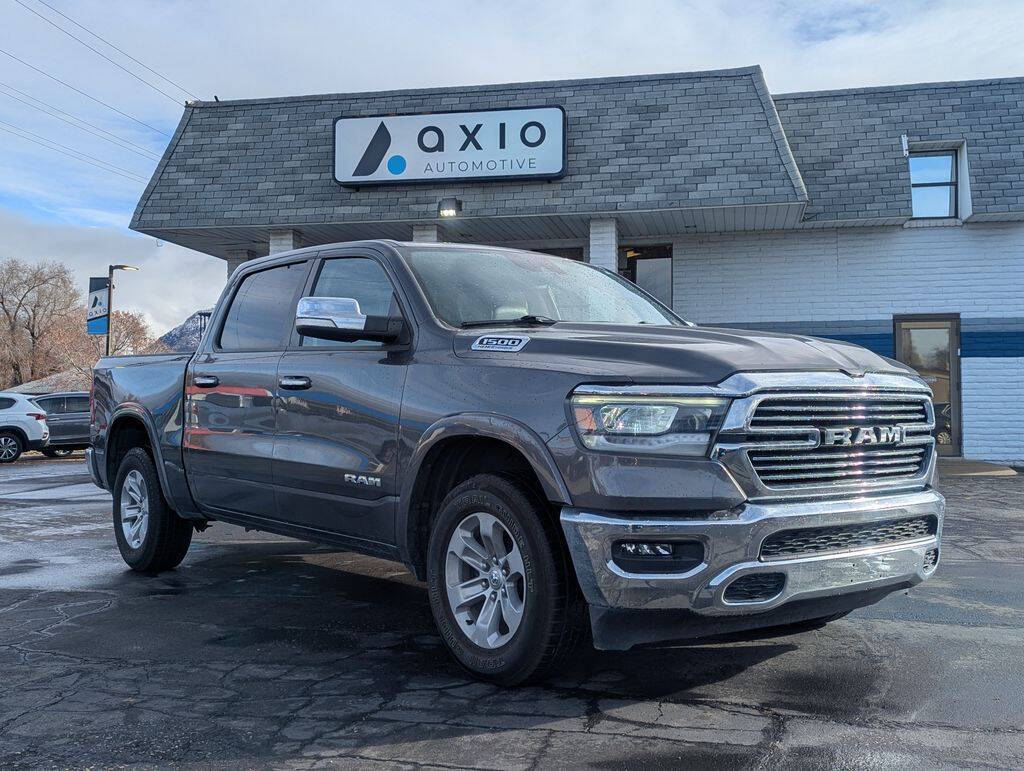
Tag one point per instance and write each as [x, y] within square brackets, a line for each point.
[339, 318]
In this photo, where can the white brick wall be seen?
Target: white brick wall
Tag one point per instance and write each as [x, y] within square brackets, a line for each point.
[992, 414]
[862, 274]
[283, 240]
[604, 244]
[851, 274]
[426, 233]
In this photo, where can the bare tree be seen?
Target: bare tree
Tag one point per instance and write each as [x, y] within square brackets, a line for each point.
[42, 325]
[130, 334]
[34, 300]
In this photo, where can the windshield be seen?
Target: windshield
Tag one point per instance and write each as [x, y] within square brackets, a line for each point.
[466, 286]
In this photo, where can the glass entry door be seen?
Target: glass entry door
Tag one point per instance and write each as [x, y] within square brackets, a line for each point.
[650, 268]
[931, 345]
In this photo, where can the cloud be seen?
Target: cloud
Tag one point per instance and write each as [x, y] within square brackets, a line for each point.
[172, 281]
[57, 206]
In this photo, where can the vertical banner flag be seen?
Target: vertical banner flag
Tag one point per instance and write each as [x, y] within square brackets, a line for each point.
[97, 313]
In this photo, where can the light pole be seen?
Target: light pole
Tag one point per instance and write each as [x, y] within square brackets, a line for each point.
[110, 298]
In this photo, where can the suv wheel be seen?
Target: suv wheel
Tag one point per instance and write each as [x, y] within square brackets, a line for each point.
[500, 583]
[57, 452]
[10, 447]
[150, 536]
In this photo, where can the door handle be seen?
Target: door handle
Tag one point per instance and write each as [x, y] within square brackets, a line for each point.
[205, 381]
[294, 382]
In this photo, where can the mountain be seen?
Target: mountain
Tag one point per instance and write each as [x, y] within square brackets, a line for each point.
[186, 336]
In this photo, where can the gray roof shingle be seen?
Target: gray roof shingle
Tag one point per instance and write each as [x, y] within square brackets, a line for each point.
[648, 142]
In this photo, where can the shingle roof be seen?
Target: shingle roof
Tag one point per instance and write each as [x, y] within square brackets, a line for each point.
[648, 143]
[847, 144]
[634, 143]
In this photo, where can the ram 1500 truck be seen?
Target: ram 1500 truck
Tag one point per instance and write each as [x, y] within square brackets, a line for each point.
[540, 441]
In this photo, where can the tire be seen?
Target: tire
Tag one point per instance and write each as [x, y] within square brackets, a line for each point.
[150, 536]
[57, 452]
[11, 447]
[539, 583]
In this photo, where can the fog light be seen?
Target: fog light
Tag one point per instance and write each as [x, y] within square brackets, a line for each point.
[658, 556]
[643, 549]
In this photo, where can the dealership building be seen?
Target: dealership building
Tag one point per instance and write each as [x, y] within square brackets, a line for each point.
[891, 217]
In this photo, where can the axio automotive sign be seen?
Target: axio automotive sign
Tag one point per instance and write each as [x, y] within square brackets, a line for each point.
[491, 144]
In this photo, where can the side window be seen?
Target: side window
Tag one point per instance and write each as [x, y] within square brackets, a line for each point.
[78, 404]
[52, 406]
[360, 278]
[6, 404]
[262, 312]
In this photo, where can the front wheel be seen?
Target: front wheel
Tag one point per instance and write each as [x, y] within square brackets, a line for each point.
[500, 582]
[10, 447]
[150, 536]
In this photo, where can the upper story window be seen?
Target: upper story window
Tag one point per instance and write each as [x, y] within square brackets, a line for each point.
[933, 184]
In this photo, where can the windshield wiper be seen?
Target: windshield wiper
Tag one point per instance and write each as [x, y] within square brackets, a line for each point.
[527, 319]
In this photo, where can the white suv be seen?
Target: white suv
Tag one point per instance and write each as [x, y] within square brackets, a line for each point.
[22, 426]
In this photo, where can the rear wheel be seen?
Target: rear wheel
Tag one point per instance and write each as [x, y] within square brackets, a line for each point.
[150, 536]
[10, 447]
[57, 452]
[500, 583]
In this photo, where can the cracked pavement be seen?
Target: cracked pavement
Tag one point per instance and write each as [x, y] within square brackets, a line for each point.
[262, 651]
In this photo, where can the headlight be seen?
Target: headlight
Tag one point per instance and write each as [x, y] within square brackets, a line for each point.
[665, 425]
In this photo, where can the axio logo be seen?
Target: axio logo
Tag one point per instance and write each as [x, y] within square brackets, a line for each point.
[527, 142]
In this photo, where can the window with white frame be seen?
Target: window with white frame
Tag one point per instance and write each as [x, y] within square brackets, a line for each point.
[933, 183]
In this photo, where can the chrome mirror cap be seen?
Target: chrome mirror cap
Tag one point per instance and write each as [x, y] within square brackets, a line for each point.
[330, 312]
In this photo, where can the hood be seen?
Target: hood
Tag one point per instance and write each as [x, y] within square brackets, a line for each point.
[704, 355]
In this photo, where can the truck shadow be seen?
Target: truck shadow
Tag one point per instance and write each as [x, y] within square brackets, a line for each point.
[292, 599]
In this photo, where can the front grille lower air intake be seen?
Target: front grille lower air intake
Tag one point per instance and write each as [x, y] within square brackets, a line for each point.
[801, 542]
[881, 457]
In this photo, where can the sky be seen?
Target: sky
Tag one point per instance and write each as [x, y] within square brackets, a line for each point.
[53, 206]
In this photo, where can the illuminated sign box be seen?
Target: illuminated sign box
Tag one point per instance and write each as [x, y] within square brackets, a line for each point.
[521, 143]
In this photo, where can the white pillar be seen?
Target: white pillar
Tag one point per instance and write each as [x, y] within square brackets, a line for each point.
[604, 244]
[426, 233]
[235, 257]
[284, 240]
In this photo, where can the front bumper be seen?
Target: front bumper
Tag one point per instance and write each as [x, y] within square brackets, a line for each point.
[732, 546]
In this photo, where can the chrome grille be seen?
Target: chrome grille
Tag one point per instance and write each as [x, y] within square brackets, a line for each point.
[829, 413]
[783, 440]
[818, 540]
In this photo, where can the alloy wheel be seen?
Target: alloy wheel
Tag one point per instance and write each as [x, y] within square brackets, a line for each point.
[485, 580]
[134, 509]
[8, 448]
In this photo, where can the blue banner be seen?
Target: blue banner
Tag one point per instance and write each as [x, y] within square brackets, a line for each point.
[97, 313]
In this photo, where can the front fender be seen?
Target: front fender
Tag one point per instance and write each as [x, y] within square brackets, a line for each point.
[479, 425]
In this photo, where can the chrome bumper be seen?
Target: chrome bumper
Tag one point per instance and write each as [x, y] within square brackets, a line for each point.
[732, 544]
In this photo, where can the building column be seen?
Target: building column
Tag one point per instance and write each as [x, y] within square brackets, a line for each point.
[427, 233]
[604, 244]
[284, 240]
[236, 257]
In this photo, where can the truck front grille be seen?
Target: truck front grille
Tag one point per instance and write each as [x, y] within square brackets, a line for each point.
[821, 540]
[778, 420]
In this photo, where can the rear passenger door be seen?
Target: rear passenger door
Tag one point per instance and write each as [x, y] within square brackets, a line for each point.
[76, 412]
[336, 454]
[56, 419]
[229, 394]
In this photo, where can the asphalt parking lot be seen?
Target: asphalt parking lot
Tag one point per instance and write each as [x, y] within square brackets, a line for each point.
[262, 651]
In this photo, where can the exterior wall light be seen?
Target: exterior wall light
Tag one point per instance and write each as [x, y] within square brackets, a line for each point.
[449, 207]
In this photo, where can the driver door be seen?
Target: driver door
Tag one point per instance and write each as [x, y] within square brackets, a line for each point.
[336, 448]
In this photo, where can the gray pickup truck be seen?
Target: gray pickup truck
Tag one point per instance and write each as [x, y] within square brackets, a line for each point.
[541, 442]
